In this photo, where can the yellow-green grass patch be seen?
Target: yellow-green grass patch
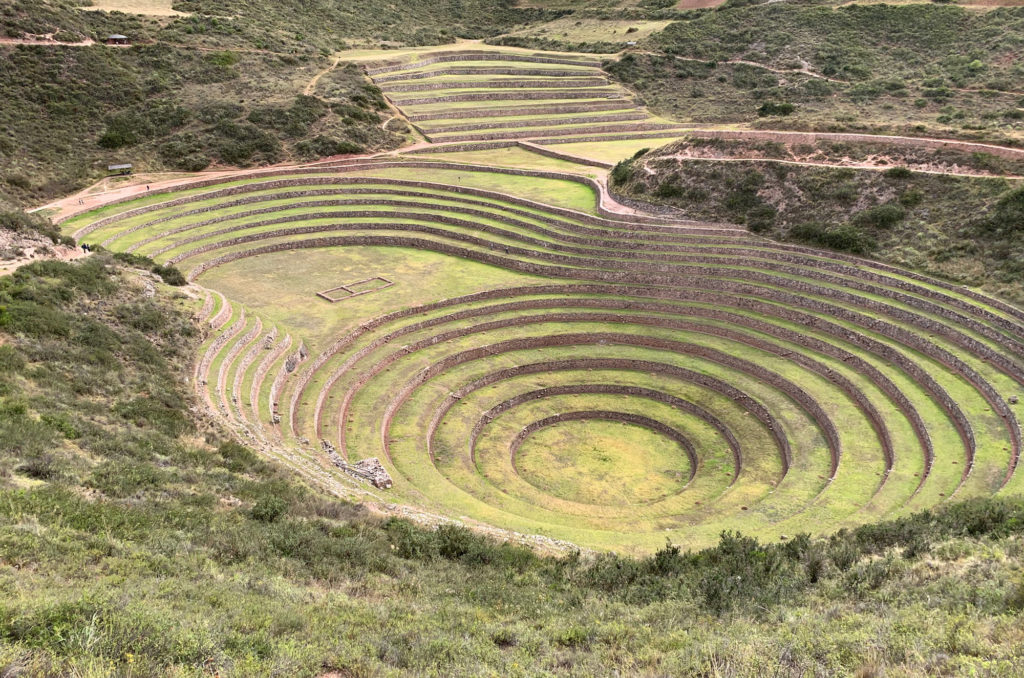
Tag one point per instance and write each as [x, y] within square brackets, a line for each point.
[577, 29]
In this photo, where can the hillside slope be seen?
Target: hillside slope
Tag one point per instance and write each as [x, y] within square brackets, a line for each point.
[956, 217]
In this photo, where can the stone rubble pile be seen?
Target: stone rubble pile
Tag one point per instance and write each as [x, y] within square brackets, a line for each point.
[369, 469]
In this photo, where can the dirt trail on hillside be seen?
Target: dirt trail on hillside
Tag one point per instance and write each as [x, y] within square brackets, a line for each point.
[311, 87]
[32, 247]
[48, 41]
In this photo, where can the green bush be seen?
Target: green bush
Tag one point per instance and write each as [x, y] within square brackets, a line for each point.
[761, 219]
[898, 173]
[269, 509]
[880, 216]
[171, 275]
[770, 108]
[1009, 212]
[239, 458]
[844, 238]
[321, 146]
[622, 172]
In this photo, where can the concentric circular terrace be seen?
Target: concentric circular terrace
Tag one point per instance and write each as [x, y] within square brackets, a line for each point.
[544, 362]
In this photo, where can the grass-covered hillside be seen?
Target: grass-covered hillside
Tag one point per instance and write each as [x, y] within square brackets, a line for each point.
[960, 227]
[71, 111]
[921, 69]
[287, 26]
[136, 539]
[219, 84]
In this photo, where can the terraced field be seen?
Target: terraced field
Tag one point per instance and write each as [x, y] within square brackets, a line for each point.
[518, 351]
[484, 95]
[563, 370]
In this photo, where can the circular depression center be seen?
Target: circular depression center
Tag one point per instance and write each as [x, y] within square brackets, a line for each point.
[603, 458]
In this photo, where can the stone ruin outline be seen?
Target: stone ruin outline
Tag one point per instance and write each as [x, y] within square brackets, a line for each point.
[326, 294]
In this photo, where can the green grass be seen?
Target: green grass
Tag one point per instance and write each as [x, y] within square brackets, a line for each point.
[557, 192]
[511, 157]
[571, 29]
[916, 69]
[267, 285]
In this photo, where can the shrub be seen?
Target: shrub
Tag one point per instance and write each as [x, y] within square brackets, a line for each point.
[769, 108]
[44, 467]
[243, 142]
[844, 238]
[574, 636]
[1009, 211]
[355, 114]
[161, 411]
[911, 197]
[321, 146]
[669, 188]
[898, 173]
[11, 361]
[622, 172]
[268, 509]
[761, 219]
[239, 458]
[410, 541]
[880, 216]
[171, 275]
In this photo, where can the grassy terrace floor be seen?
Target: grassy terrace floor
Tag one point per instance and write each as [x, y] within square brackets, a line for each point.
[475, 96]
[747, 385]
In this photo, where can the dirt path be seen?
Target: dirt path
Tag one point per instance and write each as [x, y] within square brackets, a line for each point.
[40, 252]
[97, 195]
[48, 41]
[795, 137]
[846, 164]
[806, 70]
[311, 87]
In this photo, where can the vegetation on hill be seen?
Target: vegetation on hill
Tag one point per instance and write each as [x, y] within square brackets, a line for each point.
[332, 25]
[72, 111]
[965, 228]
[914, 69]
[287, 26]
[220, 85]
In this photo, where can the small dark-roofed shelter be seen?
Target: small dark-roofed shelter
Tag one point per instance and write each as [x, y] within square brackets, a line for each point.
[116, 39]
[123, 168]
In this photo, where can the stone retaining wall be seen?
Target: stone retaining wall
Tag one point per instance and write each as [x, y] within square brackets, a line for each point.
[290, 364]
[591, 138]
[863, 367]
[503, 95]
[229, 360]
[449, 57]
[594, 389]
[505, 111]
[554, 132]
[513, 83]
[243, 366]
[1008, 365]
[540, 122]
[550, 341]
[482, 70]
[203, 368]
[260, 375]
[809, 138]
